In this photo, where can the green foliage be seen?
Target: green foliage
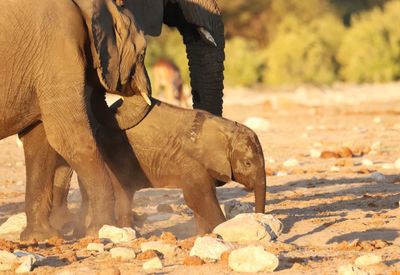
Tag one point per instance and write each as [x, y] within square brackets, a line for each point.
[243, 62]
[370, 51]
[303, 53]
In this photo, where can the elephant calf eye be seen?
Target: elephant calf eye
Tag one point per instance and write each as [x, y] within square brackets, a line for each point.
[247, 163]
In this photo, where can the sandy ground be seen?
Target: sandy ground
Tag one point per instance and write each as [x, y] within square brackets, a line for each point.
[333, 210]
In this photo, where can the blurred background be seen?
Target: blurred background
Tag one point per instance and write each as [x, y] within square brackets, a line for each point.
[291, 42]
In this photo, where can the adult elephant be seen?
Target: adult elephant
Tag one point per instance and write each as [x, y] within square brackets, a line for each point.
[202, 29]
[47, 55]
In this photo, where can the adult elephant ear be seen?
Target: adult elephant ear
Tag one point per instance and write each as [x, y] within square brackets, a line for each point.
[110, 29]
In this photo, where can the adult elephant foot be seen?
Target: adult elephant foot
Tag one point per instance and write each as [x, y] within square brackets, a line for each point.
[39, 233]
[63, 220]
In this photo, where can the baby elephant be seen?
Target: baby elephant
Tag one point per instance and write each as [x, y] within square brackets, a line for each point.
[177, 148]
[191, 150]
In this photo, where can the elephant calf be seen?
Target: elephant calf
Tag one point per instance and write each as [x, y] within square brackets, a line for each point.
[180, 148]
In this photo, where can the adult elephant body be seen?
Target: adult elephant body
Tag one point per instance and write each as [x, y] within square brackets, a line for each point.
[46, 57]
[196, 20]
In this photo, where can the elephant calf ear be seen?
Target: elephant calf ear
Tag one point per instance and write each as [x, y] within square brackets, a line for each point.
[109, 33]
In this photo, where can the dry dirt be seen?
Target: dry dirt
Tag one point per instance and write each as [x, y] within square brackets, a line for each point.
[333, 210]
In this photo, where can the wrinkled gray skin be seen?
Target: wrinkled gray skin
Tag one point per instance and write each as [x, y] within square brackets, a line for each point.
[206, 61]
[177, 148]
[46, 72]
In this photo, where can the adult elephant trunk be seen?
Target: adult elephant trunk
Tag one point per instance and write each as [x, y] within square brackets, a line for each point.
[202, 29]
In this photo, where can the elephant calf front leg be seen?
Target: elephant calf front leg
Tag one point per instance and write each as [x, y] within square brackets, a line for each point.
[202, 199]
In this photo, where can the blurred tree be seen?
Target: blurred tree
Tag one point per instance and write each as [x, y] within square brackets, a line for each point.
[370, 51]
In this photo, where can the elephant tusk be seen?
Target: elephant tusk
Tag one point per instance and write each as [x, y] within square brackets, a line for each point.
[146, 98]
[206, 35]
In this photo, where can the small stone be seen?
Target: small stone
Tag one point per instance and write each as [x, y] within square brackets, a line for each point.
[252, 259]
[123, 253]
[367, 163]
[160, 246]
[148, 254]
[329, 155]
[250, 227]
[26, 264]
[7, 257]
[225, 258]
[257, 123]
[291, 163]
[187, 243]
[335, 168]
[168, 237]
[345, 152]
[116, 234]
[209, 249]
[377, 120]
[99, 247]
[397, 164]
[193, 260]
[164, 208]
[15, 224]
[350, 269]
[5, 267]
[281, 174]
[153, 264]
[378, 177]
[387, 166]
[376, 146]
[368, 259]
[233, 207]
[345, 163]
[315, 153]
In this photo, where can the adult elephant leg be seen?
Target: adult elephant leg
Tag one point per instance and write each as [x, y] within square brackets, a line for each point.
[68, 131]
[40, 161]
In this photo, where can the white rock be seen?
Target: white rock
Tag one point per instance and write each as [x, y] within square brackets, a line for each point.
[209, 249]
[368, 259]
[367, 162]
[281, 174]
[7, 257]
[377, 120]
[376, 146]
[14, 224]
[153, 264]
[160, 246]
[315, 153]
[233, 207]
[252, 259]
[335, 168]
[26, 265]
[5, 267]
[397, 164]
[116, 234]
[257, 123]
[99, 247]
[387, 166]
[250, 227]
[123, 253]
[291, 163]
[350, 269]
[378, 177]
